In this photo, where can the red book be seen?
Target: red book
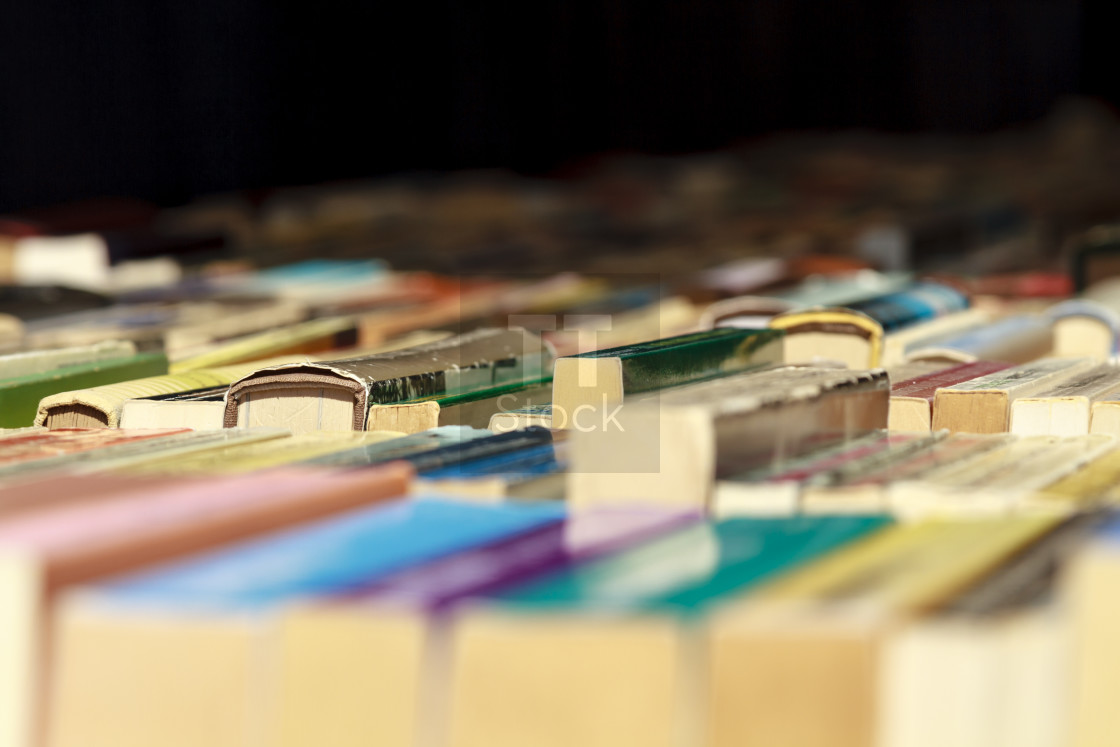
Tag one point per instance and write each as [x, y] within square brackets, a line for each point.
[912, 399]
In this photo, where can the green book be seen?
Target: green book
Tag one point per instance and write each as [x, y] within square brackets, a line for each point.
[691, 569]
[20, 396]
[601, 378]
[609, 648]
[474, 409]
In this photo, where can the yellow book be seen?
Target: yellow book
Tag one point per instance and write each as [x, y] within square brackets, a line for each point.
[1096, 483]
[797, 663]
[1001, 481]
[273, 453]
[318, 335]
[841, 335]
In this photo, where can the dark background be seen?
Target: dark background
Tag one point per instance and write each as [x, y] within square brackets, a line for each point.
[164, 100]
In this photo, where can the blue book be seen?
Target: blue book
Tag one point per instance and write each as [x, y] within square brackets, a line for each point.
[524, 463]
[407, 447]
[326, 557]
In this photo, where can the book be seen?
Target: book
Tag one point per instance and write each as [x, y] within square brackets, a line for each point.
[917, 303]
[45, 552]
[385, 634]
[1066, 409]
[210, 619]
[249, 456]
[899, 344]
[522, 417]
[743, 312]
[912, 399]
[811, 641]
[337, 395]
[999, 482]
[467, 455]
[672, 446]
[20, 396]
[776, 489]
[473, 409]
[614, 634]
[593, 382]
[1000, 644]
[31, 362]
[314, 336]
[175, 329]
[1093, 486]
[417, 446]
[89, 450]
[100, 406]
[865, 485]
[831, 334]
[1085, 329]
[983, 404]
[204, 409]
[198, 409]
[1016, 339]
[1095, 658]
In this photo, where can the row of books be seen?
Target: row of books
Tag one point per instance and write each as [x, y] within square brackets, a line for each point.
[307, 606]
[616, 517]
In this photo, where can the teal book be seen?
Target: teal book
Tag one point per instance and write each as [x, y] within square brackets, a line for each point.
[603, 377]
[692, 569]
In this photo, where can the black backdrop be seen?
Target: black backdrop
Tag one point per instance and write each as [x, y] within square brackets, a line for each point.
[165, 100]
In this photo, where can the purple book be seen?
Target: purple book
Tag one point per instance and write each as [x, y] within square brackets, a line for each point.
[487, 569]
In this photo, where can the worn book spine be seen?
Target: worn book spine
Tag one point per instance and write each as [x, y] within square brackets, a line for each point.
[478, 360]
[473, 409]
[670, 448]
[100, 406]
[597, 380]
